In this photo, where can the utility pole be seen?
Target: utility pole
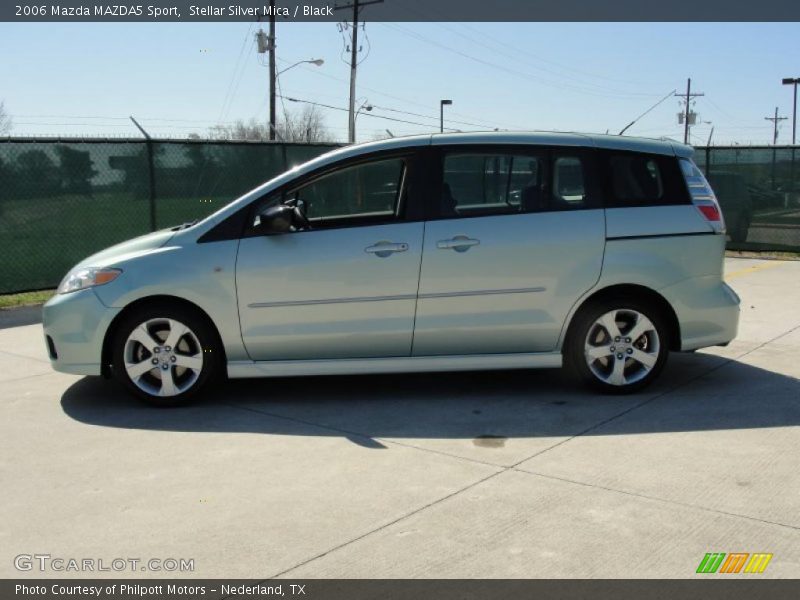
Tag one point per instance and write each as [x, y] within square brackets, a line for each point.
[356, 6]
[272, 77]
[266, 44]
[775, 120]
[687, 97]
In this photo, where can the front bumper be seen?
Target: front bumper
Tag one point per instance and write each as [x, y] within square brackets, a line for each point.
[75, 326]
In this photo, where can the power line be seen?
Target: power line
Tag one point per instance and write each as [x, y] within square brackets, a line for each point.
[558, 85]
[445, 17]
[515, 55]
[413, 114]
[230, 94]
[354, 62]
[108, 118]
[401, 99]
[366, 114]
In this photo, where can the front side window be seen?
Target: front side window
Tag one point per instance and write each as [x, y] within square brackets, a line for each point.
[481, 184]
[367, 190]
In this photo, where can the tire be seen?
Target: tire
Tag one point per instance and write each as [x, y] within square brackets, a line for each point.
[636, 360]
[179, 370]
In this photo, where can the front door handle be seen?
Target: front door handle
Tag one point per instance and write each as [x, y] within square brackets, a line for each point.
[459, 243]
[384, 249]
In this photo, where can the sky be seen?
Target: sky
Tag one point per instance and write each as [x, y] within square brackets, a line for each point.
[181, 78]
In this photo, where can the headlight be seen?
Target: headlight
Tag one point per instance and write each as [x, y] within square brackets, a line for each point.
[80, 279]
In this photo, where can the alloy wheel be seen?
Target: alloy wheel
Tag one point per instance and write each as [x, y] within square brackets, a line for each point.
[163, 357]
[622, 347]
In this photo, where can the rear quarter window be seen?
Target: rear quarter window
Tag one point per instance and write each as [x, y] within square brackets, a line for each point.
[638, 179]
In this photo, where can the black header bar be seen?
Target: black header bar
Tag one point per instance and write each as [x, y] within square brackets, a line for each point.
[65, 11]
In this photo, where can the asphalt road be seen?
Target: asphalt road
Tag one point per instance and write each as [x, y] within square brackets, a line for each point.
[503, 474]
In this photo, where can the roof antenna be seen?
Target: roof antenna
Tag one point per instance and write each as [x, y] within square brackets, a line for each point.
[629, 125]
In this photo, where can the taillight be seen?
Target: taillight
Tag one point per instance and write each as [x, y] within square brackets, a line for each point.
[703, 196]
[710, 212]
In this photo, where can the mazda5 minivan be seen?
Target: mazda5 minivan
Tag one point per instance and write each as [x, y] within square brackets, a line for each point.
[429, 253]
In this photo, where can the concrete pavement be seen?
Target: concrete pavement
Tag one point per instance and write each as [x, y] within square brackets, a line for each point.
[502, 474]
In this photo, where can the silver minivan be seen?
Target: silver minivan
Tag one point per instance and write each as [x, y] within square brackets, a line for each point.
[428, 253]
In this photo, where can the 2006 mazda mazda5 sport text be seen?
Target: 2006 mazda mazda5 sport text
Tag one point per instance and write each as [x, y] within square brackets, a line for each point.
[429, 253]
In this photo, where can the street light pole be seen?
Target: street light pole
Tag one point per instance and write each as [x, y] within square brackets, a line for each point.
[442, 104]
[793, 81]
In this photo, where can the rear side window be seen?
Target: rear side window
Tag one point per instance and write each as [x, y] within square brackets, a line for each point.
[481, 184]
[636, 179]
[478, 183]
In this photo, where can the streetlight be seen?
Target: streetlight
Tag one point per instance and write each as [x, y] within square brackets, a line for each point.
[364, 106]
[442, 104]
[793, 81]
[317, 62]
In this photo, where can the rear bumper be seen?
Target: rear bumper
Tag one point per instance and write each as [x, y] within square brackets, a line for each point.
[75, 325]
[707, 310]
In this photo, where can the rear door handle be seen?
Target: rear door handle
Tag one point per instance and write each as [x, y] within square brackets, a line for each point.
[384, 249]
[459, 243]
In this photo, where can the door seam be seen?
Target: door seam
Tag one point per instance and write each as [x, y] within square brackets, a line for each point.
[419, 280]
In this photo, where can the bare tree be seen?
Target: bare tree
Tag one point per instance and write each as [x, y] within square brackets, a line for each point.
[5, 120]
[307, 125]
[250, 131]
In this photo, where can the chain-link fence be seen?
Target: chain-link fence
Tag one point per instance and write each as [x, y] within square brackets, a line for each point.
[759, 190]
[63, 200]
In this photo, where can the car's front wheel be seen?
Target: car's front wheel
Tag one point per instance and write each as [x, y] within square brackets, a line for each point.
[618, 346]
[165, 354]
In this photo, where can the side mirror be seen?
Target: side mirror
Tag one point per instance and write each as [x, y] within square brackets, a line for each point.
[276, 219]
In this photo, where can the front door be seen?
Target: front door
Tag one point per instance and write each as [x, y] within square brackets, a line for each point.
[346, 287]
[519, 237]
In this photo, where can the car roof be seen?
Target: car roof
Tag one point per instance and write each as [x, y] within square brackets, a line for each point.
[537, 138]
[552, 138]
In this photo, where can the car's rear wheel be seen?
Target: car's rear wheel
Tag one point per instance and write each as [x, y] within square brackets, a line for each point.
[165, 354]
[618, 346]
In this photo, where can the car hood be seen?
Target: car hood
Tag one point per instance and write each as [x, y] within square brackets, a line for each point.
[135, 247]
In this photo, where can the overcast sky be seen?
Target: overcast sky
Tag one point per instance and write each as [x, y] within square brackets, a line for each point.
[178, 78]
